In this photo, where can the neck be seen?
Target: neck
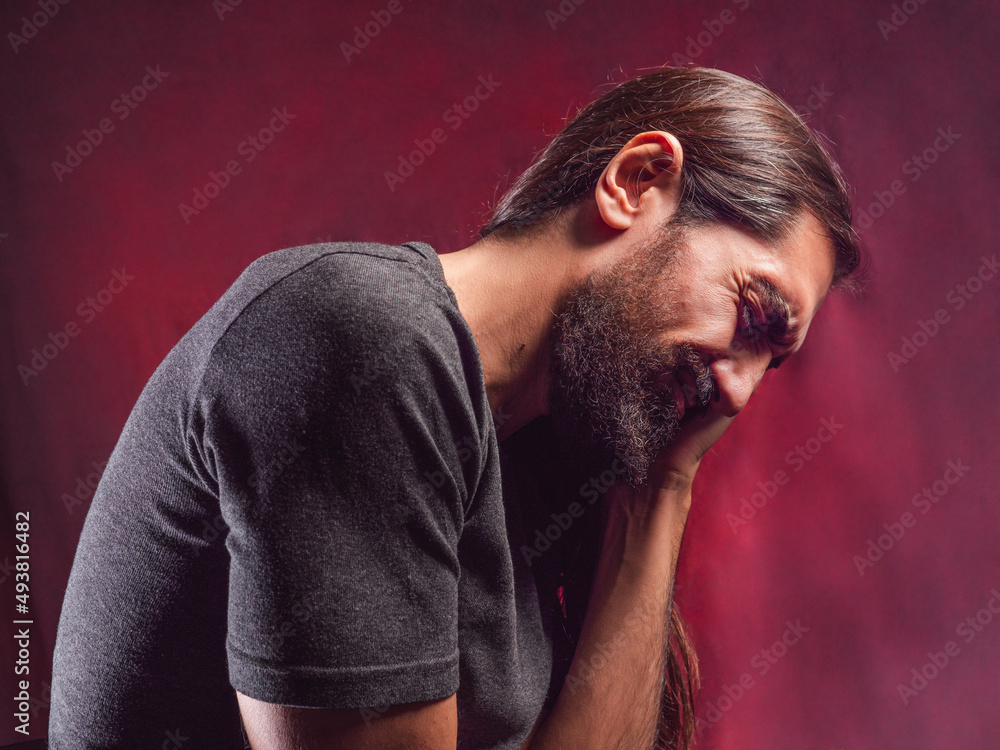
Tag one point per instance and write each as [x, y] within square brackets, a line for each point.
[507, 291]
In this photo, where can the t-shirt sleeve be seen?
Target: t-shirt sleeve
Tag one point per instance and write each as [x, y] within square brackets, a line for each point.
[336, 417]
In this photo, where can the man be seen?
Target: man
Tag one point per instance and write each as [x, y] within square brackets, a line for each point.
[323, 523]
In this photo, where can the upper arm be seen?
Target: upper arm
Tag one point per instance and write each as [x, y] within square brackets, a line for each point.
[427, 725]
[331, 425]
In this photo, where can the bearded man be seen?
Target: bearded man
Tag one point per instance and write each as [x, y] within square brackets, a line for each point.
[329, 520]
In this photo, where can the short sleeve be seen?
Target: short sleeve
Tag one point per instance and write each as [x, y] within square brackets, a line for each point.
[336, 416]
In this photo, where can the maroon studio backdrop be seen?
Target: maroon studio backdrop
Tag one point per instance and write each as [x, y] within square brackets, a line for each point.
[840, 569]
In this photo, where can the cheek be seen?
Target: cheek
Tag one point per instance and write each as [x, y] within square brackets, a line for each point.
[704, 322]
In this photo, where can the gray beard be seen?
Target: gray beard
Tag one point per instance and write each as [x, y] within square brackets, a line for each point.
[609, 397]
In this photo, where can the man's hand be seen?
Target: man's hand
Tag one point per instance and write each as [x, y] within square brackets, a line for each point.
[657, 510]
[676, 466]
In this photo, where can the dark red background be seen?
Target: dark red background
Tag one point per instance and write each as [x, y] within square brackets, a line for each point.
[323, 177]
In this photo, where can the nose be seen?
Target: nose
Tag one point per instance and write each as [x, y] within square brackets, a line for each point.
[737, 377]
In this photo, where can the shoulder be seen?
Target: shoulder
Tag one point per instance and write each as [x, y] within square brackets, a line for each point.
[338, 294]
[338, 278]
[332, 319]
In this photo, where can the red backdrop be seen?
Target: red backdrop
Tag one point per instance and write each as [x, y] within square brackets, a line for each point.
[811, 595]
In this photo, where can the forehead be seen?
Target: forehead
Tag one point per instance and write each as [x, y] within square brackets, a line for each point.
[800, 266]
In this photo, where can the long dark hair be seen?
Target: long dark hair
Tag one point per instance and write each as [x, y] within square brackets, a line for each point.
[749, 161]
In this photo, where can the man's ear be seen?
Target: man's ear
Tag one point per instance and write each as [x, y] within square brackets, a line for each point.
[644, 176]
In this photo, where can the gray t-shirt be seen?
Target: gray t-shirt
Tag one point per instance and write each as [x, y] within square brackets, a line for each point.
[306, 505]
